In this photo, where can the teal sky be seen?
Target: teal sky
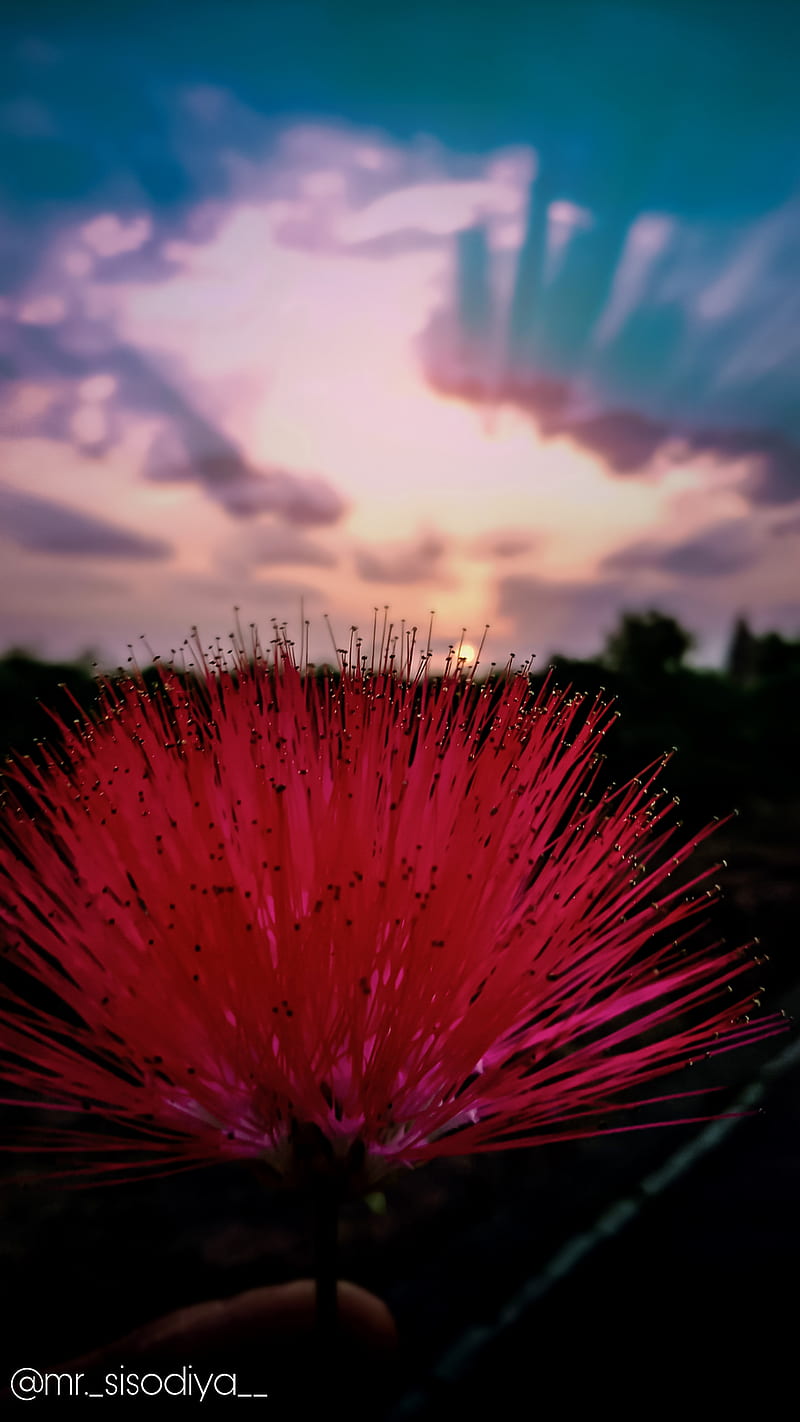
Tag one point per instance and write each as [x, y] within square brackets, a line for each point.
[689, 106]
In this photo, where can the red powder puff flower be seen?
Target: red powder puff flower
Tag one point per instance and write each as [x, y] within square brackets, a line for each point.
[251, 904]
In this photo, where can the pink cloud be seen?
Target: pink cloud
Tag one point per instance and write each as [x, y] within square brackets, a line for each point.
[110, 236]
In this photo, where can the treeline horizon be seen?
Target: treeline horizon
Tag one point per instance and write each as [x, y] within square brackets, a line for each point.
[732, 727]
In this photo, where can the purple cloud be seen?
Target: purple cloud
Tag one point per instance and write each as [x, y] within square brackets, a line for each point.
[502, 544]
[788, 528]
[627, 441]
[191, 448]
[624, 440]
[47, 526]
[415, 562]
[727, 547]
[244, 492]
[273, 546]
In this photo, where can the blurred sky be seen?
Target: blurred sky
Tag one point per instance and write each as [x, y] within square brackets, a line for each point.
[489, 308]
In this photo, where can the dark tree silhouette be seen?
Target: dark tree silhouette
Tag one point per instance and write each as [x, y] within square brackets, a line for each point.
[767, 658]
[646, 646]
[30, 688]
[778, 657]
[742, 660]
